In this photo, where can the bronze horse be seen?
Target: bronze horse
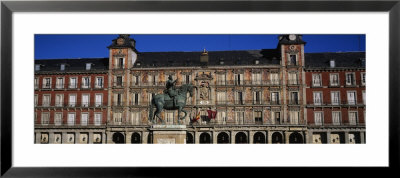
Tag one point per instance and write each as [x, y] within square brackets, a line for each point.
[163, 101]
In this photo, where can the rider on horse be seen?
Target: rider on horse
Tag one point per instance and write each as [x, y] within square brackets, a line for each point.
[171, 89]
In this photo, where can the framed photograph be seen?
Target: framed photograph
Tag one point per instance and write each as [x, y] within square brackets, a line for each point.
[117, 99]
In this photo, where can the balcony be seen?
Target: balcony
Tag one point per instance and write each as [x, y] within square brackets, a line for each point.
[293, 102]
[72, 87]
[335, 104]
[59, 86]
[248, 83]
[148, 84]
[336, 125]
[69, 124]
[74, 105]
[247, 102]
[118, 84]
[85, 86]
[293, 82]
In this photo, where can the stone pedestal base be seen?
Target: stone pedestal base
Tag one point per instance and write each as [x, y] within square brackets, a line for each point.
[169, 134]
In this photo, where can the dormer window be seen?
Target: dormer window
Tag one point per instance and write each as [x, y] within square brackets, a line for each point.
[88, 66]
[362, 62]
[37, 67]
[256, 61]
[332, 63]
[137, 63]
[221, 61]
[62, 67]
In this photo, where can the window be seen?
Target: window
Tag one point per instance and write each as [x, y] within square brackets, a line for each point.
[99, 100]
[350, 79]
[317, 80]
[135, 118]
[239, 97]
[351, 97]
[120, 63]
[363, 78]
[188, 99]
[294, 99]
[36, 83]
[293, 79]
[36, 100]
[46, 83]
[97, 119]
[317, 98]
[119, 81]
[72, 100]
[318, 118]
[62, 67]
[71, 119]
[221, 79]
[276, 116]
[352, 118]
[45, 118]
[118, 118]
[274, 78]
[152, 79]
[334, 80]
[332, 63]
[35, 117]
[293, 60]
[294, 117]
[239, 79]
[240, 117]
[88, 66]
[221, 117]
[37, 67]
[335, 98]
[72, 82]
[46, 100]
[169, 117]
[186, 79]
[150, 97]
[60, 83]
[135, 99]
[336, 118]
[85, 82]
[84, 119]
[99, 82]
[58, 118]
[135, 80]
[59, 100]
[118, 99]
[256, 78]
[275, 98]
[221, 97]
[85, 100]
[363, 95]
[258, 117]
[257, 97]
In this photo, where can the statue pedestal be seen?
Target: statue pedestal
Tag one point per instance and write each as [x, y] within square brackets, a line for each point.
[169, 134]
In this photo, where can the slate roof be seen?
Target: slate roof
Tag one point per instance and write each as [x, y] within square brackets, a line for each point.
[342, 60]
[73, 64]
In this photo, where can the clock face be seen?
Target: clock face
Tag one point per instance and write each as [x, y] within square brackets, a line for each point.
[120, 41]
[292, 37]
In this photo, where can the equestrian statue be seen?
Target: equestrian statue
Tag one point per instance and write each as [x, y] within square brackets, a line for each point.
[172, 99]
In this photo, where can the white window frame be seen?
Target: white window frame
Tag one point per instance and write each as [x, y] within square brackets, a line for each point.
[184, 79]
[240, 81]
[291, 99]
[45, 121]
[363, 78]
[134, 101]
[331, 82]
[237, 100]
[36, 99]
[364, 97]
[290, 60]
[221, 97]
[294, 117]
[135, 80]
[37, 67]
[43, 100]
[62, 67]
[169, 117]
[72, 103]
[239, 117]
[275, 99]
[98, 103]
[315, 99]
[293, 78]
[356, 118]
[256, 78]
[44, 85]
[315, 82]
[274, 78]
[339, 121]
[118, 120]
[221, 79]
[83, 82]
[71, 120]
[88, 66]
[58, 85]
[83, 104]
[254, 116]
[355, 98]
[58, 121]
[97, 118]
[221, 117]
[135, 118]
[36, 82]
[255, 97]
[59, 102]
[333, 102]
[70, 83]
[316, 120]
[84, 122]
[349, 83]
[97, 82]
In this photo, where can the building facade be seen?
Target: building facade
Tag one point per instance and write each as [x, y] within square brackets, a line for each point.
[260, 96]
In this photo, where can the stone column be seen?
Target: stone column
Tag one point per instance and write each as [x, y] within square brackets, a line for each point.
[37, 141]
[90, 137]
[109, 137]
[233, 134]
[269, 137]
[346, 137]
[251, 137]
[214, 137]
[328, 137]
[362, 137]
[145, 137]
[51, 137]
[286, 136]
[128, 137]
[305, 136]
[310, 136]
[64, 138]
[103, 138]
[196, 137]
[77, 139]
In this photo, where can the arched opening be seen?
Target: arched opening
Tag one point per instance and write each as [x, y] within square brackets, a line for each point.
[295, 137]
[205, 138]
[189, 138]
[136, 138]
[222, 138]
[259, 138]
[241, 138]
[277, 137]
[118, 138]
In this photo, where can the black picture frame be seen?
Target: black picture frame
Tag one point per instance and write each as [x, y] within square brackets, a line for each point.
[8, 7]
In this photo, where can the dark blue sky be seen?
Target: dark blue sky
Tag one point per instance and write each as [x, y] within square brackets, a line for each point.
[92, 46]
